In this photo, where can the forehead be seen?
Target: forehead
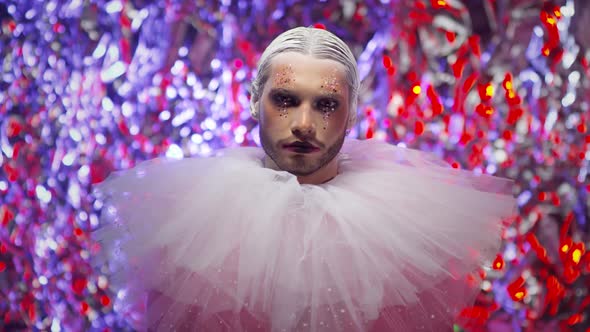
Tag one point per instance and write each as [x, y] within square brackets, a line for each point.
[300, 70]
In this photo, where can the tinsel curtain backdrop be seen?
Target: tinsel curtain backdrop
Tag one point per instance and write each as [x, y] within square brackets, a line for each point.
[91, 86]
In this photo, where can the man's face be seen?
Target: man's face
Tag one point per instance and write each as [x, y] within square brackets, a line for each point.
[303, 112]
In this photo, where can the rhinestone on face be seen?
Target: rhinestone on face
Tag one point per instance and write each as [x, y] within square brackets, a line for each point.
[283, 110]
[330, 86]
[284, 78]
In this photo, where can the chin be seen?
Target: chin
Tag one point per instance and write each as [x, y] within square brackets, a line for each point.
[306, 165]
[303, 165]
[302, 172]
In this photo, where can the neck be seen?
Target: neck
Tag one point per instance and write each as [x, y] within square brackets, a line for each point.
[322, 175]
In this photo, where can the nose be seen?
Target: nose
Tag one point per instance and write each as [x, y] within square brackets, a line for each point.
[303, 125]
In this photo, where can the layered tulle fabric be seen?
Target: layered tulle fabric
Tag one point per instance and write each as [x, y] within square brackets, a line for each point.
[224, 244]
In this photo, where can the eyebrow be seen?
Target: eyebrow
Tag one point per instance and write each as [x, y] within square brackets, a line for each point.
[328, 95]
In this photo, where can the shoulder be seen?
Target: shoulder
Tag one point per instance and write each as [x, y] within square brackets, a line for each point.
[381, 151]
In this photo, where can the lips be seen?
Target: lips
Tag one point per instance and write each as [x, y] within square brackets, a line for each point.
[301, 147]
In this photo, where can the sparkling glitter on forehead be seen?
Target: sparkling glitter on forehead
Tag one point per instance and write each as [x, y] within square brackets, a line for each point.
[284, 76]
[331, 84]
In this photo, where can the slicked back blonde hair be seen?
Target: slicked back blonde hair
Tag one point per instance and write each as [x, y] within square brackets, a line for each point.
[318, 43]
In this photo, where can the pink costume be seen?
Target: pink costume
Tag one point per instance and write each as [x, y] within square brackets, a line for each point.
[224, 244]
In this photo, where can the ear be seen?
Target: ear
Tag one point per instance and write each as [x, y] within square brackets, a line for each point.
[255, 109]
[350, 121]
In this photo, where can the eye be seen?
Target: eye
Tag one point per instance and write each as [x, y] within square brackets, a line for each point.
[283, 100]
[327, 105]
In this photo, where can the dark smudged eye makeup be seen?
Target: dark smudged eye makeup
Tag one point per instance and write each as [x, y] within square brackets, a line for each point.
[283, 99]
[327, 104]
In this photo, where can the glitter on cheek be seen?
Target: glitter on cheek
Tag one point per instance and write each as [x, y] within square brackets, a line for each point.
[283, 110]
[326, 116]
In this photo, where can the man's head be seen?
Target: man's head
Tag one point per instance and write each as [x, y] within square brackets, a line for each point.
[305, 97]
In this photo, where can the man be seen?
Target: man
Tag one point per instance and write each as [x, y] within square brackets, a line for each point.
[313, 232]
[305, 98]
